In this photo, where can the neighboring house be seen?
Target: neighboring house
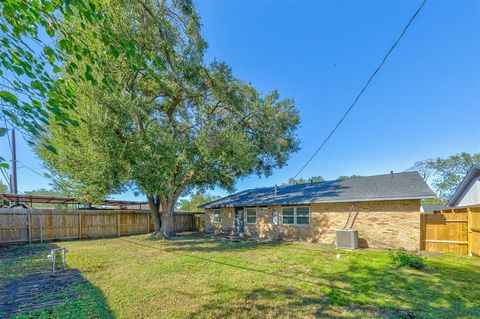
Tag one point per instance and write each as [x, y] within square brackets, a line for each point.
[384, 209]
[468, 191]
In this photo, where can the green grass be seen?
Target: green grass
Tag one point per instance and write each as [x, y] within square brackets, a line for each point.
[191, 277]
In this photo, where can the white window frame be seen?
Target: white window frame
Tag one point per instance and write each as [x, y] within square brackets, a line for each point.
[246, 215]
[295, 216]
[220, 214]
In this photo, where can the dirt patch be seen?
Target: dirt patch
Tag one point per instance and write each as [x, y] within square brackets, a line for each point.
[38, 291]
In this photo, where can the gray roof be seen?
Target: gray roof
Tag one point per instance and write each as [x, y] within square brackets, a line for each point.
[406, 185]
[428, 208]
[473, 173]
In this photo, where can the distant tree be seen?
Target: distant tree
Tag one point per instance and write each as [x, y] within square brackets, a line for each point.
[304, 180]
[444, 174]
[345, 177]
[45, 192]
[195, 201]
[3, 187]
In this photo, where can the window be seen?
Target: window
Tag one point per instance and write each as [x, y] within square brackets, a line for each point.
[251, 215]
[302, 215]
[296, 215]
[288, 215]
[217, 216]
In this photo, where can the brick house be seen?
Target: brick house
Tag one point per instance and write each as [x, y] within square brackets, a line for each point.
[385, 209]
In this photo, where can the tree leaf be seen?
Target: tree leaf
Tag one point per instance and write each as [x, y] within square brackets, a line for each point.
[8, 97]
[37, 85]
[3, 131]
[50, 148]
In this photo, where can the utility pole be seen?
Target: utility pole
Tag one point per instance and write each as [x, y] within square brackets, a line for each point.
[14, 188]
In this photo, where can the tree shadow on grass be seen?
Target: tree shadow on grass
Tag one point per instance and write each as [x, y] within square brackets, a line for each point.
[28, 289]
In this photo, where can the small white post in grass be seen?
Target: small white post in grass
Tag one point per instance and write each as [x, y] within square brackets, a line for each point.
[52, 257]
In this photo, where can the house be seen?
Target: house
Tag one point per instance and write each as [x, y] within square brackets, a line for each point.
[468, 191]
[383, 208]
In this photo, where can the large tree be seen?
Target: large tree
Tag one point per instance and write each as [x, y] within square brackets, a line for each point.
[444, 174]
[169, 122]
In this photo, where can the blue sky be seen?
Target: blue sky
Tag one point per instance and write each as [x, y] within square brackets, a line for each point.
[424, 103]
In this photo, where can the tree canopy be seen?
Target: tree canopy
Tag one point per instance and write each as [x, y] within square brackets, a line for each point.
[169, 122]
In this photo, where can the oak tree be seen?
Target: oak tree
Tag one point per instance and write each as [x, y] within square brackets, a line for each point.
[169, 122]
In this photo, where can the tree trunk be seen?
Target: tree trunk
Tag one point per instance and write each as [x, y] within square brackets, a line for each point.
[154, 205]
[167, 221]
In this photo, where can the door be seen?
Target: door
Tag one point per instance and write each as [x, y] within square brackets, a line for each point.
[239, 218]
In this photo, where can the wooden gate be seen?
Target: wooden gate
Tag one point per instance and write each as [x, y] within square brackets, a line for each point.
[454, 230]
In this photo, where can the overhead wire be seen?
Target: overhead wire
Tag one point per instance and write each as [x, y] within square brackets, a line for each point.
[363, 89]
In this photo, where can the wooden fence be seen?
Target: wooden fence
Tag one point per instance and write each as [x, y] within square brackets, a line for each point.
[454, 230]
[33, 225]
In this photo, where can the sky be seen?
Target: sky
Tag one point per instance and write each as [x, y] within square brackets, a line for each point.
[424, 103]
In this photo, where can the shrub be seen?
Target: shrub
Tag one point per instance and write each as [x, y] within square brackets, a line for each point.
[402, 258]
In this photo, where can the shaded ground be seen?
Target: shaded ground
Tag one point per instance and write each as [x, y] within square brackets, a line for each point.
[29, 290]
[38, 291]
[202, 277]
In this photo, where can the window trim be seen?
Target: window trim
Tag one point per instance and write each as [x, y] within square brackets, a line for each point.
[220, 214]
[295, 216]
[246, 215]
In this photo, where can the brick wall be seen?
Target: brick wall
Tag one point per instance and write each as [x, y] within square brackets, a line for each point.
[380, 224]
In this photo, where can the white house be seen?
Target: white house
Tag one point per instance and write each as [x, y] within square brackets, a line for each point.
[468, 192]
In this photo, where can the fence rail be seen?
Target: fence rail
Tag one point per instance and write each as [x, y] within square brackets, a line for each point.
[33, 225]
[454, 230]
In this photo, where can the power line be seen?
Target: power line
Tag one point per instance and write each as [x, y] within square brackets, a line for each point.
[363, 89]
[34, 171]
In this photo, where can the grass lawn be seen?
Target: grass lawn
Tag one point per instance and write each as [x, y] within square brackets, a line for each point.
[199, 277]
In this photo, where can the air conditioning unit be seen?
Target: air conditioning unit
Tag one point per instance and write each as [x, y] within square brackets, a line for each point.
[347, 239]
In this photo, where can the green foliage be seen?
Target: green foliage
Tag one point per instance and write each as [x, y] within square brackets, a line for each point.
[3, 187]
[312, 179]
[402, 258]
[37, 38]
[444, 174]
[196, 200]
[169, 122]
[345, 177]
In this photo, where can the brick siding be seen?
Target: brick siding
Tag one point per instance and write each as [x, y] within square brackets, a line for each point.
[380, 224]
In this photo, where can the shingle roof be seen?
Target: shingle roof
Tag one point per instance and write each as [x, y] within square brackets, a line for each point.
[406, 185]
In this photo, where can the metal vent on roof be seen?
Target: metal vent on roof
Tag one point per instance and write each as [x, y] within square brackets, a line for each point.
[347, 239]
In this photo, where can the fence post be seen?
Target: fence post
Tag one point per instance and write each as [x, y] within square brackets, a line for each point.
[118, 224]
[29, 221]
[148, 222]
[79, 225]
[469, 231]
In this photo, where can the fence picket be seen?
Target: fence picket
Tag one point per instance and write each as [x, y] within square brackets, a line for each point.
[451, 230]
